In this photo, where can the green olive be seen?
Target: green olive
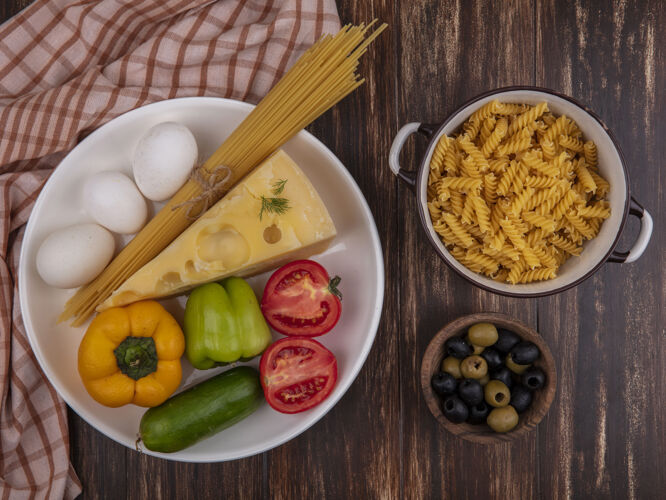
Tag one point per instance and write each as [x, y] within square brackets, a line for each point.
[473, 367]
[477, 349]
[452, 365]
[483, 334]
[484, 380]
[515, 367]
[496, 393]
[503, 419]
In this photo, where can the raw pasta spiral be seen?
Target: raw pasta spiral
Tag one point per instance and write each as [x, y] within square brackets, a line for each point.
[517, 192]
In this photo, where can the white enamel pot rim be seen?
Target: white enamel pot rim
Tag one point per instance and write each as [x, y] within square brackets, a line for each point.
[602, 248]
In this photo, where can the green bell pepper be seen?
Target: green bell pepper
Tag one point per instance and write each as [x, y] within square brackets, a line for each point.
[224, 323]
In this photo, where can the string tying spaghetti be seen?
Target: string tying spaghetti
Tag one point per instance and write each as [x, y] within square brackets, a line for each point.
[211, 187]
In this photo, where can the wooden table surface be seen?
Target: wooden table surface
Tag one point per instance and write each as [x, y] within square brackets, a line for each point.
[604, 436]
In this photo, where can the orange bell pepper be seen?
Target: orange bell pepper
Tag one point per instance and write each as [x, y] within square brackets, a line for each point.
[132, 355]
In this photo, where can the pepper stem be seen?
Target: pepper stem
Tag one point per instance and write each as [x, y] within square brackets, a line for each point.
[136, 357]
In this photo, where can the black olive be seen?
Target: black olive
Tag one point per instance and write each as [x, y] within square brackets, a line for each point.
[470, 391]
[478, 413]
[502, 374]
[458, 348]
[454, 409]
[524, 353]
[506, 339]
[493, 358]
[443, 383]
[534, 378]
[521, 398]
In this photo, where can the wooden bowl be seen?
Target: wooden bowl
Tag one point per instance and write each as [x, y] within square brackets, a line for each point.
[543, 397]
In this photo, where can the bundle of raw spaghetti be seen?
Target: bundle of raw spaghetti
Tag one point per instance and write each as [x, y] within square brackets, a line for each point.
[319, 79]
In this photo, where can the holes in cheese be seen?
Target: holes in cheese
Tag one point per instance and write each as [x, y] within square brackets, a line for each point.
[272, 234]
[170, 281]
[224, 245]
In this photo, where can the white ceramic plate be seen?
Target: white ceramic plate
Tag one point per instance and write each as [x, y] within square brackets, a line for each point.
[355, 255]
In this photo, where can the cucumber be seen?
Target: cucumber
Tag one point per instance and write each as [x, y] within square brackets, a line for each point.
[202, 410]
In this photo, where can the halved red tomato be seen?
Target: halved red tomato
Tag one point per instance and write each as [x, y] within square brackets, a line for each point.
[301, 299]
[297, 373]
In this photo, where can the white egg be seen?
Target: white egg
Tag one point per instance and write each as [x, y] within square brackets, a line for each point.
[113, 200]
[74, 255]
[163, 160]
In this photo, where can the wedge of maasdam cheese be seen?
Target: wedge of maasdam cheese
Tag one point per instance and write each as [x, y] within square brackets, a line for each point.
[230, 239]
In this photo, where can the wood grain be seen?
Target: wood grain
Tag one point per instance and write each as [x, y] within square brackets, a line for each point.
[8, 8]
[605, 434]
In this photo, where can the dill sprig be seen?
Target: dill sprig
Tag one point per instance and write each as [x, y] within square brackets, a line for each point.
[275, 204]
[278, 186]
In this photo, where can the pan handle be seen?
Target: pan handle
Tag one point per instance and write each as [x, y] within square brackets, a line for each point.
[637, 210]
[408, 176]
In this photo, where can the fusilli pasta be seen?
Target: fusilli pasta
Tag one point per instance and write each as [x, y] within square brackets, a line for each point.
[516, 193]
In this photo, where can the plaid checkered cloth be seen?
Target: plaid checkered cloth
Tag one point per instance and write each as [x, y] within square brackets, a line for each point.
[67, 67]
